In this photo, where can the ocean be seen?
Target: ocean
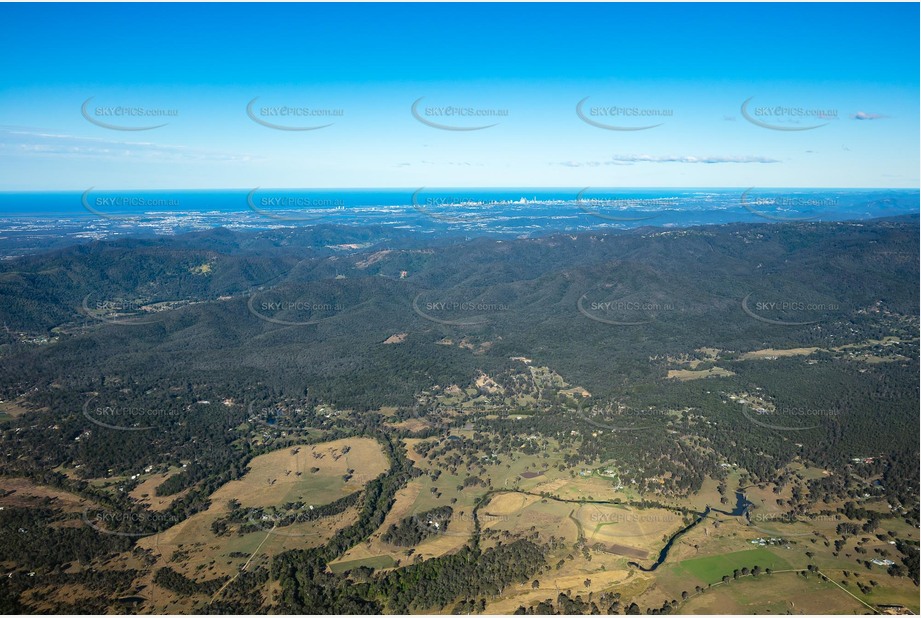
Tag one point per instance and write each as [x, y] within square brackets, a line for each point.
[39, 219]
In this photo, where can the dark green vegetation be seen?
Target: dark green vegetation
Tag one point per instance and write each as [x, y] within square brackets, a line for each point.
[209, 349]
[32, 532]
[250, 519]
[413, 530]
[180, 584]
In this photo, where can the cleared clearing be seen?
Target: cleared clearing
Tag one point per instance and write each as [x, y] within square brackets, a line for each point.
[769, 353]
[207, 555]
[696, 374]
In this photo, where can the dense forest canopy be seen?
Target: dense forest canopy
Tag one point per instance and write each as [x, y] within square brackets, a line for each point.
[190, 356]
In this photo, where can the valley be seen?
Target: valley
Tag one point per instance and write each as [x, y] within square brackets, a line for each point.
[303, 430]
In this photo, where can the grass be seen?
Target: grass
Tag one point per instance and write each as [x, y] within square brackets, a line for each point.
[711, 569]
[772, 353]
[778, 593]
[208, 555]
[375, 562]
[691, 374]
[273, 478]
[25, 493]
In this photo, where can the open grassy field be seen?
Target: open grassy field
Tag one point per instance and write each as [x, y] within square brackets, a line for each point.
[708, 495]
[622, 531]
[425, 493]
[415, 498]
[711, 569]
[12, 409]
[808, 472]
[891, 591]
[632, 532]
[779, 593]
[769, 353]
[592, 487]
[27, 494]
[572, 577]
[193, 549]
[617, 534]
[521, 514]
[696, 374]
[377, 562]
[721, 544]
[313, 474]
[145, 492]
[412, 425]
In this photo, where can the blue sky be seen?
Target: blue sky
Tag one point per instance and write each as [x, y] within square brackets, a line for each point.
[844, 75]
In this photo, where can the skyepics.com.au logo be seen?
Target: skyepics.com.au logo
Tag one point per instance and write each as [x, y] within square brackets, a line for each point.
[290, 309]
[297, 523]
[463, 209]
[126, 206]
[621, 305]
[292, 206]
[628, 523]
[624, 209]
[282, 418]
[456, 117]
[788, 309]
[122, 417]
[129, 523]
[112, 310]
[450, 521]
[787, 418]
[457, 312]
[779, 526]
[791, 207]
[615, 417]
[292, 117]
[787, 117]
[125, 117]
[621, 118]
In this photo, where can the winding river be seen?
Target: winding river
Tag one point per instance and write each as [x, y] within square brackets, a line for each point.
[741, 508]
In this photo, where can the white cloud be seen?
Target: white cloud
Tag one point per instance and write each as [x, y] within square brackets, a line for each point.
[867, 116]
[23, 142]
[632, 159]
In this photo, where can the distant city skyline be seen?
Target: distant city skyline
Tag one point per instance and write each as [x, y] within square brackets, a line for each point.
[484, 95]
